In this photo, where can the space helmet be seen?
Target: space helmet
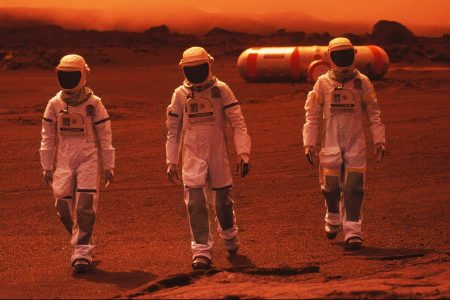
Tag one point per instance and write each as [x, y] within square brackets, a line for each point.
[196, 65]
[341, 55]
[72, 71]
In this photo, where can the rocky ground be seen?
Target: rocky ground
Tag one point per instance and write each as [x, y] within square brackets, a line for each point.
[142, 234]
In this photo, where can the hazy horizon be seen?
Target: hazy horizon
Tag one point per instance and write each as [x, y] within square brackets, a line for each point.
[194, 18]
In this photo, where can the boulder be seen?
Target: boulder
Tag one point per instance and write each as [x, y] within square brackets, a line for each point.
[161, 30]
[391, 32]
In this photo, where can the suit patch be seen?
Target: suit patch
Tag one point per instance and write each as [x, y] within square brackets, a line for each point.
[89, 110]
[336, 98]
[357, 84]
[343, 102]
[215, 92]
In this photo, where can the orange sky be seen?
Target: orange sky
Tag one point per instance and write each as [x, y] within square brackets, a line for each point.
[420, 16]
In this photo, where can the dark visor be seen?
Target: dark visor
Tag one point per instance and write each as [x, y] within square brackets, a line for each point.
[343, 58]
[68, 80]
[196, 74]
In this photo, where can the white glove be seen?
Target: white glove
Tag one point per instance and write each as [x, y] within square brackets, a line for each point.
[310, 154]
[48, 176]
[172, 173]
[109, 177]
[379, 151]
[243, 165]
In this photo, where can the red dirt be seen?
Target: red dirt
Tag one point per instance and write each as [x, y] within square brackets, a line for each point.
[142, 231]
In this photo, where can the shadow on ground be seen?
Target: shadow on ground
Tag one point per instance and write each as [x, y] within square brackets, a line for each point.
[240, 261]
[378, 253]
[124, 280]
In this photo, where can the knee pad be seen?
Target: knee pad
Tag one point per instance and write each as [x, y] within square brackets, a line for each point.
[224, 208]
[85, 218]
[198, 215]
[332, 193]
[63, 211]
[353, 195]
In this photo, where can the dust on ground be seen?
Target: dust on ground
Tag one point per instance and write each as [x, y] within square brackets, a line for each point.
[142, 233]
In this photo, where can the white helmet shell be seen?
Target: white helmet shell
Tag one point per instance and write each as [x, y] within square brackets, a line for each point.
[337, 44]
[196, 56]
[71, 63]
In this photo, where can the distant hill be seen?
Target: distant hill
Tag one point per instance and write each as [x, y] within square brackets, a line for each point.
[31, 43]
[183, 19]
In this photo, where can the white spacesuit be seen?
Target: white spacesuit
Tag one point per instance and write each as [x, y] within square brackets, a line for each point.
[76, 126]
[199, 112]
[345, 96]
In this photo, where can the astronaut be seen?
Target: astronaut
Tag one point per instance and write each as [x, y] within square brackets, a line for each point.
[199, 112]
[77, 127]
[344, 95]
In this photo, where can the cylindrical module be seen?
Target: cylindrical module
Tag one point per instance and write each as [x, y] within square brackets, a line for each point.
[304, 63]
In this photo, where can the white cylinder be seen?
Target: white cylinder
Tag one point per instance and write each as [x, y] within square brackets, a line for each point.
[293, 63]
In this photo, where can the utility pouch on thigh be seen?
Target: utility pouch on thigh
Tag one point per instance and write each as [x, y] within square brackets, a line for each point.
[199, 110]
[330, 158]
